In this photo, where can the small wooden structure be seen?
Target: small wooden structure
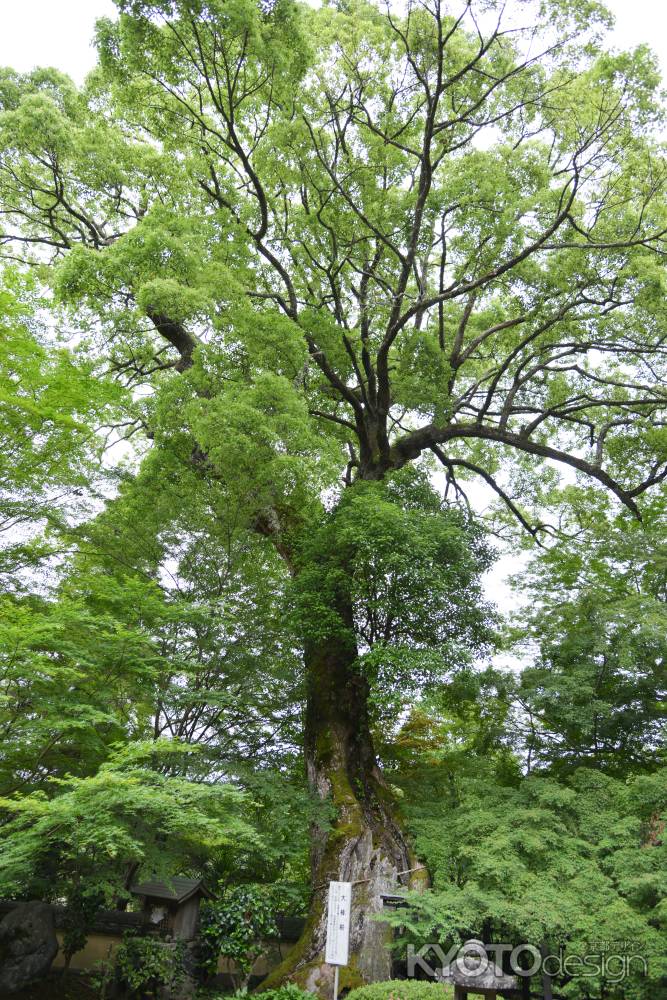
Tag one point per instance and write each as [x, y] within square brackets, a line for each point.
[172, 906]
[473, 974]
[393, 902]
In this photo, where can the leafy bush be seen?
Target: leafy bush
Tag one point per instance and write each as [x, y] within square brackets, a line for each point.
[290, 991]
[402, 989]
[149, 965]
[235, 927]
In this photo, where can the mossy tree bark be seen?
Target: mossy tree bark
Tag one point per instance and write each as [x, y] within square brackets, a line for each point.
[365, 845]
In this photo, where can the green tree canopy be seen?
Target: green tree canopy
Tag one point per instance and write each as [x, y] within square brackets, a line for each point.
[314, 247]
[575, 866]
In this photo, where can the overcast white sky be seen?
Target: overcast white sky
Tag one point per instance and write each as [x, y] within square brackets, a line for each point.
[59, 33]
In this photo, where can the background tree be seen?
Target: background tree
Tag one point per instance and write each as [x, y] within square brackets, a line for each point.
[84, 841]
[324, 244]
[596, 693]
[574, 866]
[50, 399]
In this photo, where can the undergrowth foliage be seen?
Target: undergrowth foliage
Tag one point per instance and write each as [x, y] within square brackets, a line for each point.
[235, 926]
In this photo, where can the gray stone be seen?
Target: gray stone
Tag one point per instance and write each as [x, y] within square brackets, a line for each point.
[28, 945]
[473, 971]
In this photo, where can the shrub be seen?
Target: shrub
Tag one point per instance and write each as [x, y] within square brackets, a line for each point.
[149, 966]
[402, 989]
[290, 991]
[235, 925]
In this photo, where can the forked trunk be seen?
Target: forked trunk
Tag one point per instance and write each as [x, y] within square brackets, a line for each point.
[365, 845]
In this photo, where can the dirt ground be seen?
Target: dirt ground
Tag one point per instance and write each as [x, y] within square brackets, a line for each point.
[54, 987]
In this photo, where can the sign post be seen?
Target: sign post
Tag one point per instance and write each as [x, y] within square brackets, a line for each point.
[338, 927]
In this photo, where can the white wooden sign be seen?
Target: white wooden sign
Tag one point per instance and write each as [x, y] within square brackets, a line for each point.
[338, 923]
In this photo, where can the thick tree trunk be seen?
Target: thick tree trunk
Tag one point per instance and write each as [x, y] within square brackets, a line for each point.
[366, 845]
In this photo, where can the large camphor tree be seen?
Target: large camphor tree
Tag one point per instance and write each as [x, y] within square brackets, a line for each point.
[323, 246]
